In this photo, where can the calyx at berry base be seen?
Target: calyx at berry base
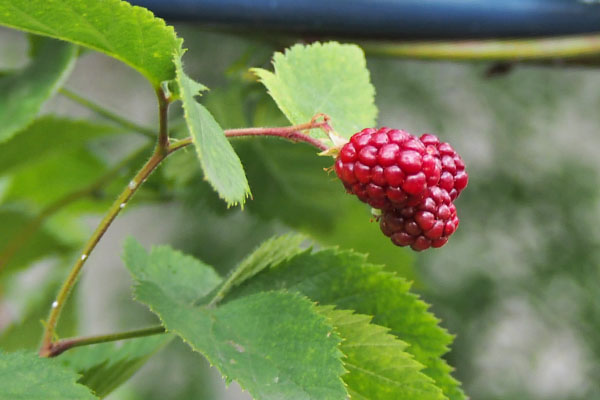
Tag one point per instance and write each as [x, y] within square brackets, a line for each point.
[412, 180]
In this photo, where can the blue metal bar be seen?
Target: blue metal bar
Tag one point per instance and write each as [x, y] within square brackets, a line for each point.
[393, 19]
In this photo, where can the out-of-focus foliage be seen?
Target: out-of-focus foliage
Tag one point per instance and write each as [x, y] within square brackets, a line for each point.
[50, 65]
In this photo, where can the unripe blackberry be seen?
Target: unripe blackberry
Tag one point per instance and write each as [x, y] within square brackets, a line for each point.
[453, 178]
[428, 224]
[388, 168]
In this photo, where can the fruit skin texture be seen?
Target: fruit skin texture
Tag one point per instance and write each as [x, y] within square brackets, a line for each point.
[428, 224]
[453, 178]
[414, 181]
[388, 168]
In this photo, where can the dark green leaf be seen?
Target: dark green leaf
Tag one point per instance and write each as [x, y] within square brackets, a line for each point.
[345, 279]
[23, 93]
[275, 344]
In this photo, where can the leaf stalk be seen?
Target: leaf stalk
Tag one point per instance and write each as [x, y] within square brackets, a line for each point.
[63, 345]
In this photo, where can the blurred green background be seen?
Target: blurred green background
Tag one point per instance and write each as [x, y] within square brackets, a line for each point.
[518, 284]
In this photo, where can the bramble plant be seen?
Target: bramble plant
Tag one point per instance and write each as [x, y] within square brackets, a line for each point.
[289, 321]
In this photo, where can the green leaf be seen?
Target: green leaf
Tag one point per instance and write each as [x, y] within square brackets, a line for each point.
[45, 181]
[46, 136]
[377, 364]
[275, 344]
[180, 276]
[270, 252]
[23, 93]
[42, 243]
[26, 376]
[346, 280]
[128, 33]
[221, 165]
[106, 366]
[329, 78]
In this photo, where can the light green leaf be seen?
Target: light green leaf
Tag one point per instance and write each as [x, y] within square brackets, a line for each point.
[377, 364]
[46, 136]
[221, 165]
[106, 366]
[346, 280]
[275, 345]
[329, 78]
[270, 252]
[42, 243]
[128, 33]
[180, 276]
[26, 376]
[23, 93]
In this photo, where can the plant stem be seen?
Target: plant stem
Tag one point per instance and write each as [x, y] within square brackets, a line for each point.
[163, 134]
[288, 132]
[108, 114]
[63, 345]
[114, 210]
[27, 231]
[160, 153]
[512, 49]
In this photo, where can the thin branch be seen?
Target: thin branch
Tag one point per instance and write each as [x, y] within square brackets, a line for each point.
[114, 210]
[98, 109]
[291, 133]
[63, 345]
[512, 49]
[163, 109]
[158, 156]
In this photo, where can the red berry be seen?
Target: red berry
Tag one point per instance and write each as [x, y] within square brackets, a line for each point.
[392, 167]
[413, 180]
[428, 224]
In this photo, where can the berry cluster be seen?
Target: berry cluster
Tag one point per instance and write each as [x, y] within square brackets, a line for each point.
[412, 180]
